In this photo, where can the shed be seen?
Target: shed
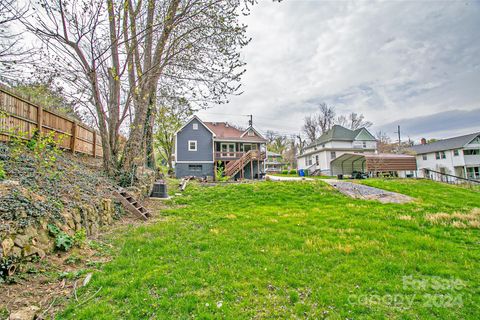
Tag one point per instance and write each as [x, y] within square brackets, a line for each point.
[349, 162]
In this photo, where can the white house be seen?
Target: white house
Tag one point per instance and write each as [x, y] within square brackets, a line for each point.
[458, 156]
[332, 144]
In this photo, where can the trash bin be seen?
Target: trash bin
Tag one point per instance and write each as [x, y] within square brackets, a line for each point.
[301, 173]
[159, 190]
[340, 176]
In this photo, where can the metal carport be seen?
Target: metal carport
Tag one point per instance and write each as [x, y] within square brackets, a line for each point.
[372, 163]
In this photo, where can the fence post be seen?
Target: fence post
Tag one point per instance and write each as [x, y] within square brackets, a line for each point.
[73, 139]
[94, 153]
[39, 119]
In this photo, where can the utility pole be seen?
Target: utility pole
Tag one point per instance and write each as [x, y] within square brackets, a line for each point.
[399, 139]
[250, 122]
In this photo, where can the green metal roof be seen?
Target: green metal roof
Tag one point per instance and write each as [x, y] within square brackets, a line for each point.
[337, 132]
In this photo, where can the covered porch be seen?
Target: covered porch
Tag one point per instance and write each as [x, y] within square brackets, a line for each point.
[234, 150]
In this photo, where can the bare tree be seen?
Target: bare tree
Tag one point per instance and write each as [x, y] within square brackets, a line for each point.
[326, 117]
[353, 121]
[384, 143]
[13, 53]
[311, 128]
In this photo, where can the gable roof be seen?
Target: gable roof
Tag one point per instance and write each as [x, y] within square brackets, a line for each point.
[199, 120]
[224, 131]
[445, 144]
[337, 132]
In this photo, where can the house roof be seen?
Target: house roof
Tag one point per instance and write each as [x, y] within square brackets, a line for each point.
[337, 132]
[445, 144]
[224, 131]
[273, 154]
[199, 120]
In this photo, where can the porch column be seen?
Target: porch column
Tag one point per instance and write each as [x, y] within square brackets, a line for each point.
[251, 169]
[258, 169]
[214, 171]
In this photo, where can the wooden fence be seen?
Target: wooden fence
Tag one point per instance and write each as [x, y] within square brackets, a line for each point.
[24, 116]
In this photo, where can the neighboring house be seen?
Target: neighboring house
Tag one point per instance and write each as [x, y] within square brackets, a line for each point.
[458, 156]
[202, 146]
[332, 144]
[274, 162]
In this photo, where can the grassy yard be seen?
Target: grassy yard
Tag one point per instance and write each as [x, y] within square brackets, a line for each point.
[291, 250]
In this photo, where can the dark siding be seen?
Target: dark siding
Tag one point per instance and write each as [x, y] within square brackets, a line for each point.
[204, 143]
[183, 170]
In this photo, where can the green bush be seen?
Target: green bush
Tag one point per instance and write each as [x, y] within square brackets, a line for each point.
[3, 175]
[285, 172]
[62, 240]
[293, 171]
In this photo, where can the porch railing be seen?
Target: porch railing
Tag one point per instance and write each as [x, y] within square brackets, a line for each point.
[219, 155]
[228, 155]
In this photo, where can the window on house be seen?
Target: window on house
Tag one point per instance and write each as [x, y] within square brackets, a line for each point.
[471, 152]
[455, 152]
[323, 146]
[251, 133]
[310, 161]
[364, 144]
[306, 161]
[424, 157]
[195, 126]
[333, 154]
[195, 167]
[192, 145]
[316, 160]
[440, 155]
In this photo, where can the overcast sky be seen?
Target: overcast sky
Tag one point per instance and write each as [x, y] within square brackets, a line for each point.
[416, 64]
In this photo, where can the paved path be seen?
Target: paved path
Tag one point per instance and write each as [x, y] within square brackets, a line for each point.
[360, 191]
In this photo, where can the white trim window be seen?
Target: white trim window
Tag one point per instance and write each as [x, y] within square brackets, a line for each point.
[195, 126]
[192, 145]
[424, 157]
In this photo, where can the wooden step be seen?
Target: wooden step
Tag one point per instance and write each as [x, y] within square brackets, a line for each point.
[132, 205]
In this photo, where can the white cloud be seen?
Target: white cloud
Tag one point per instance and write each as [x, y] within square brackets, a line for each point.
[389, 60]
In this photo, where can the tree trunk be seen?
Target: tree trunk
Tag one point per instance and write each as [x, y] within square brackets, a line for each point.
[148, 133]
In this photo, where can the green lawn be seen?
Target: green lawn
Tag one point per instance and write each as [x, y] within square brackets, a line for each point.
[286, 250]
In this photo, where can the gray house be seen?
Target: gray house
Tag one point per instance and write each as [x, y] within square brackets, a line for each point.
[202, 147]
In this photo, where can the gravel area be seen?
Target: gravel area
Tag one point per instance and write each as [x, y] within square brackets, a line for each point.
[360, 191]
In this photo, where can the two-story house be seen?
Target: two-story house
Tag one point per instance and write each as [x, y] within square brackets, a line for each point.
[317, 156]
[458, 156]
[202, 147]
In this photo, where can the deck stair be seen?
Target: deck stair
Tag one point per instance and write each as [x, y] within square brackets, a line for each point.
[234, 167]
[132, 205]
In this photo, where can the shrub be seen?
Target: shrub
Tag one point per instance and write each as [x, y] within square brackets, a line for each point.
[293, 171]
[62, 240]
[284, 171]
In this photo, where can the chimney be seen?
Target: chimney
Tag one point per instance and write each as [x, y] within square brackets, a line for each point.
[423, 141]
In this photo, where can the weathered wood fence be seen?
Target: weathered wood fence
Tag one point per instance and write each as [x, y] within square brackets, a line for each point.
[24, 116]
